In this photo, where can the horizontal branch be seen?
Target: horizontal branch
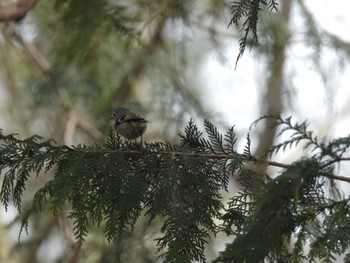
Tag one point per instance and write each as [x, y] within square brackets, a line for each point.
[338, 177]
[213, 156]
[174, 153]
[16, 11]
[242, 157]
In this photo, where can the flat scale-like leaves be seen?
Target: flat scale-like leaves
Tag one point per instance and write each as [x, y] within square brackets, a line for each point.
[248, 11]
[112, 185]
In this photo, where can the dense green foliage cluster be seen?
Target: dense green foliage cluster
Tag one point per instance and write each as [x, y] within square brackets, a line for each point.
[111, 185]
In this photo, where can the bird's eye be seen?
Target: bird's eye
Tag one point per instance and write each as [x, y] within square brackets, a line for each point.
[113, 114]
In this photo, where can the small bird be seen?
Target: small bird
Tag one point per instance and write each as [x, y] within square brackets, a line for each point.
[128, 124]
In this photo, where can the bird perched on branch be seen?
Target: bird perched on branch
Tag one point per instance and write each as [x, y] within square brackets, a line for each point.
[128, 124]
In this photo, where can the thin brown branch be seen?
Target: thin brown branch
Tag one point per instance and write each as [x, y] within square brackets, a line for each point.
[70, 127]
[16, 11]
[207, 155]
[240, 156]
[39, 60]
[160, 10]
[76, 251]
[79, 120]
[277, 164]
[31, 52]
[338, 177]
[336, 160]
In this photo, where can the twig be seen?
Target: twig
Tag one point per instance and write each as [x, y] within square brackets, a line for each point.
[79, 120]
[337, 177]
[44, 66]
[16, 11]
[204, 155]
[277, 164]
[30, 50]
[336, 160]
[69, 130]
[160, 10]
[76, 251]
[229, 157]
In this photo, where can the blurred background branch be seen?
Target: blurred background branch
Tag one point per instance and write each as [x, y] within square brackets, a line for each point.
[15, 11]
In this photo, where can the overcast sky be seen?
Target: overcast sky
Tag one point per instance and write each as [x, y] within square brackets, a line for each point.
[327, 107]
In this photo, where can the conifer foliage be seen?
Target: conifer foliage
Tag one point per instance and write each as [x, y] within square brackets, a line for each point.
[114, 184]
[249, 11]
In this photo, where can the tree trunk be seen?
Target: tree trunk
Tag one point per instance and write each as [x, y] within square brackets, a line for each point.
[272, 101]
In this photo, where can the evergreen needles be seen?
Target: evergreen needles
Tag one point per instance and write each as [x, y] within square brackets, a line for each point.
[248, 9]
[111, 185]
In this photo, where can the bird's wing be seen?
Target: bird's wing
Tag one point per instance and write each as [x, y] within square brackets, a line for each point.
[132, 117]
